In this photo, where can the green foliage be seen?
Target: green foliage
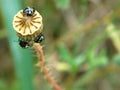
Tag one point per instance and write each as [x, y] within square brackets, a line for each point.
[73, 61]
[76, 61]
[97, 60]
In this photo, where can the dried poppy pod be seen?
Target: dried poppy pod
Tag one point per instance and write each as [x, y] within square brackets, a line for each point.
[28, 24]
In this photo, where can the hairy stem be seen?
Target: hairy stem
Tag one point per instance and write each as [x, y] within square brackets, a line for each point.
[39, 51]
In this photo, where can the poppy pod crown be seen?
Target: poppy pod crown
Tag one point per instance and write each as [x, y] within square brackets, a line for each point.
[28, 24]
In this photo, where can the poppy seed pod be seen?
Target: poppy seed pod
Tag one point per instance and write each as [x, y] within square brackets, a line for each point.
[28, 24]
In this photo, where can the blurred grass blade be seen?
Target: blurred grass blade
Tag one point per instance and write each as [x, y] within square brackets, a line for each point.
[113, 33]
[62, 4]
[22, 58]
[83, 9]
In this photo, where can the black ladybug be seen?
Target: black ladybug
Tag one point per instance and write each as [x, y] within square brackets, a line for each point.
[39, 39]
[23, 44]
[29, 11]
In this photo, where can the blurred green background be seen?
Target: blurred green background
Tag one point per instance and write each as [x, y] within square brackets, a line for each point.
[81, 47]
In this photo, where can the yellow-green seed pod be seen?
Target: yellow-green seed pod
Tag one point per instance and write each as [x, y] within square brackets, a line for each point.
[28, 24]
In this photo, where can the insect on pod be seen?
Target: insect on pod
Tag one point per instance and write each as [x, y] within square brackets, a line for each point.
[26, 44]
[28, 25]
[23, 44]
